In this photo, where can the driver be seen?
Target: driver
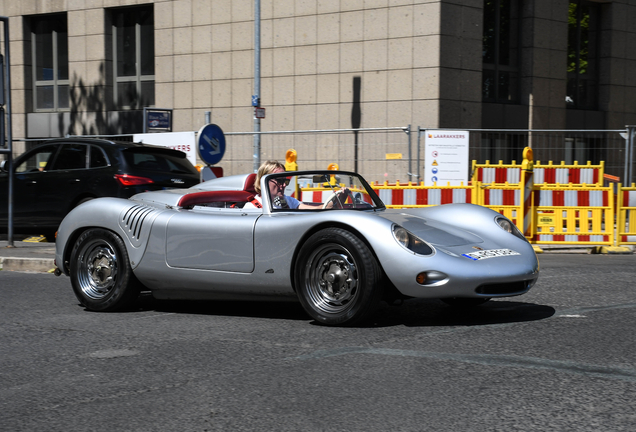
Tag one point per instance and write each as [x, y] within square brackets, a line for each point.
[277, 190]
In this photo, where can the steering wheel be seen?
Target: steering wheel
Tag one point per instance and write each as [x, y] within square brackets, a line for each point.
[334, 197]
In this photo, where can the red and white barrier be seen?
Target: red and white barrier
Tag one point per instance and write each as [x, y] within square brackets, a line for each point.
[543, 174]
[588, 176]
[573, 198]
[423, 196]
[501, 197]
[498, 175]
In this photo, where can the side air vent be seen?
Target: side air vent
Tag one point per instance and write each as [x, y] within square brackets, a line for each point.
[133, 220]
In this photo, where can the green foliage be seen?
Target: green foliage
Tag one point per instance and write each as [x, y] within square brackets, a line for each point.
[578, 38]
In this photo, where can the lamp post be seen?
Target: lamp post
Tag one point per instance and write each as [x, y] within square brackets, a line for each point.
[256, 97]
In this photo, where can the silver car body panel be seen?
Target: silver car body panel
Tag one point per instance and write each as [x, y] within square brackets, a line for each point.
[208, 252]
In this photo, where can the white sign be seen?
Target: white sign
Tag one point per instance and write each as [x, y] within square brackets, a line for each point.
[446, 157]
[182, 141]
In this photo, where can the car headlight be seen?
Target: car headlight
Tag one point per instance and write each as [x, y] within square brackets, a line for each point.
[411, 241]
[508, 226]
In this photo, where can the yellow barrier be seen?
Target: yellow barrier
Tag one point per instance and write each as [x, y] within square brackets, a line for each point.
[626, 215]
[503, 198]
[413, 195]
[589, 175]
[571, 214]
[581, 212]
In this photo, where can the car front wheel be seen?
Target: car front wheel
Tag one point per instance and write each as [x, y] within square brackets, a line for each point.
[100, 272]
[337, 278]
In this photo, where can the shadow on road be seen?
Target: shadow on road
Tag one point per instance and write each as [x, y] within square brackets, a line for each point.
[252, 309]
[412, 313]
[429, 313]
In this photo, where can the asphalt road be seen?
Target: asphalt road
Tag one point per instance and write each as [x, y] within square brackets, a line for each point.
[560, 358]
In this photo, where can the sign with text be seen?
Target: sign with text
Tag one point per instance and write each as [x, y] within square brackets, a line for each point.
[157, 119]
[182, 141]
[446, 157]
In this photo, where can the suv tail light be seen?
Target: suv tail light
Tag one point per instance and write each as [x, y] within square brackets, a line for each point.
[130, 180]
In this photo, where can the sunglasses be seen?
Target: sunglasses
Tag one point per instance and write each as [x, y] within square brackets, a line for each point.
[281, 181]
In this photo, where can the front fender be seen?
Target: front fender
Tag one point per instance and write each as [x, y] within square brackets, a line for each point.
[130, 220]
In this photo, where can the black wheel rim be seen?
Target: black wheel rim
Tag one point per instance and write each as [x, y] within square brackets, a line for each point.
[97, 269]
[332, 279]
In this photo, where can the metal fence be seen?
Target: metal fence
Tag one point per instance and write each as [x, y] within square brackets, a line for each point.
[615, 147]
[392, 154]
[376, 153]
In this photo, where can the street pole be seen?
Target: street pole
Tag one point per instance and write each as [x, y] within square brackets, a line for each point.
[630, 155]
[9, 150]
[256, 98]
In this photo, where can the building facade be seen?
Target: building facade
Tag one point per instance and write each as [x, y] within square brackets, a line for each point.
[91, 66]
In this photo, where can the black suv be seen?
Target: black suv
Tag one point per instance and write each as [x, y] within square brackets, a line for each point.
[54, 177]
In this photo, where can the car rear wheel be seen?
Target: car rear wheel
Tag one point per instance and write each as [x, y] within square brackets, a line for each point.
[464, 301]
[337, 278]
[100, 272]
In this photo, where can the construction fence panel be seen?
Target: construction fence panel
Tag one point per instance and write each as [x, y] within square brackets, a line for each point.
[413, 195]
[574, 215]
[503, 198]
[549, 173]
[626, 216]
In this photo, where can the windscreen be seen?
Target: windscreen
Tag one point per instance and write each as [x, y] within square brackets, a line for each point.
[320, 191]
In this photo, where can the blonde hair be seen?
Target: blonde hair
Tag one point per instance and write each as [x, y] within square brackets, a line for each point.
[266, 168]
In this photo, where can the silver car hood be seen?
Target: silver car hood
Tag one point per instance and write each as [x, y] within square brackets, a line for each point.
[431, 230]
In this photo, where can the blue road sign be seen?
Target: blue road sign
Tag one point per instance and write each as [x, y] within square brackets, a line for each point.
[255, 100]
[211, 144]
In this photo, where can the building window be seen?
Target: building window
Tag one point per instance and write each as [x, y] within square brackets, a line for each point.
[583, 34]
[134, 57]
[49, 50]
[500, 51]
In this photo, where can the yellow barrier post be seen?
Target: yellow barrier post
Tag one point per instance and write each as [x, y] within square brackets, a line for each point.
[626, 216]
[290, 160]
[291, 165]
[333, 167]
[527, 184]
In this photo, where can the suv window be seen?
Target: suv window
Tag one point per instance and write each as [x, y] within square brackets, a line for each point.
[71, 156]
[38, 160]
[98, 158]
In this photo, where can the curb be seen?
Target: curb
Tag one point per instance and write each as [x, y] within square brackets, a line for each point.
[613, 250]
[42, 265]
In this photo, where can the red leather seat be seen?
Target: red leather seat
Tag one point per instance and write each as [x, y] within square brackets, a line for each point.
[249, 184]
[205, 197]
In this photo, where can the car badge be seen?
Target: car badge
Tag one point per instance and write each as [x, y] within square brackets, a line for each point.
[179, 181]
[477, 247]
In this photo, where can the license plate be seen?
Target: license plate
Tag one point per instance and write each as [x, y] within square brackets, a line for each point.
[493, 253]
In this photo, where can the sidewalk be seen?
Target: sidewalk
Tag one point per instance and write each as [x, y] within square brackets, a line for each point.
[26, 256]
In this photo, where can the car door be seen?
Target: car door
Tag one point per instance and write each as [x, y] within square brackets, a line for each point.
[29, 171]
[214, 239]
[62, 183]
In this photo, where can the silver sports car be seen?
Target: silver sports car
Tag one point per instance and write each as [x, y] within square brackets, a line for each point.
[323, 238]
